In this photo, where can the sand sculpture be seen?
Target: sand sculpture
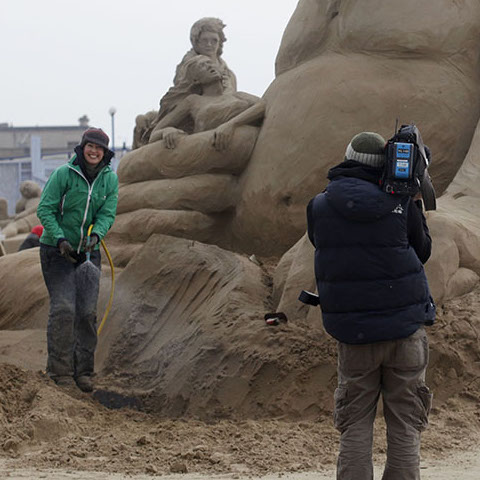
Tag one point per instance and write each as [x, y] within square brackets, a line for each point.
[369, 77]
[186, 332]
[25, 210]
[213, 107]
[3, 208]
[404, 73]
[142, 124]
[189, 182]
[207, 38]
[309, 123]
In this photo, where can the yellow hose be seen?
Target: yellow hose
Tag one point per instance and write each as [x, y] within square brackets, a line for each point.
[112, 290]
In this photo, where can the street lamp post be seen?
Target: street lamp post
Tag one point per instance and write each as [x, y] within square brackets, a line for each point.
[112, 113]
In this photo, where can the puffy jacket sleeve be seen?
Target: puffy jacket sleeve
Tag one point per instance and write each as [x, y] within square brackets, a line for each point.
[51, 203]
[418, 233]
[105, 216]
[310, 227]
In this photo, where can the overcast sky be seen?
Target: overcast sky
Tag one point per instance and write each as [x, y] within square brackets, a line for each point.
[61, 59]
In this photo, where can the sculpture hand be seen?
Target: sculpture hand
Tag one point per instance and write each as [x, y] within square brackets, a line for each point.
[171, 136]
[222, 136]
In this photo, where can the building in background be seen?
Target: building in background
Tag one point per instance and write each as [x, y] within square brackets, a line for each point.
[15, 141]
[33, 153]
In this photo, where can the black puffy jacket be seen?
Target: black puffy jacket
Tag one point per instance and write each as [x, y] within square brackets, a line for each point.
[370, 279]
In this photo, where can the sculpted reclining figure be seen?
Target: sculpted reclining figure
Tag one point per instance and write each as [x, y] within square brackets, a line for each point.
[211, 108]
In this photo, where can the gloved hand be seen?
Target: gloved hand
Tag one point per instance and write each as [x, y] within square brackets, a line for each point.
[67, 251]
[90, 242]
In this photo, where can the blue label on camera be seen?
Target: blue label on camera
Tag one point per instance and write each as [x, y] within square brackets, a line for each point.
[403, 157]
[403, 150]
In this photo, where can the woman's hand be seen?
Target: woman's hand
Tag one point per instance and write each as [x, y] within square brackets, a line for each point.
[222, 136]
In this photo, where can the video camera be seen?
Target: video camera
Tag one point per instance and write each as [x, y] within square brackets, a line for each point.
[406, 163]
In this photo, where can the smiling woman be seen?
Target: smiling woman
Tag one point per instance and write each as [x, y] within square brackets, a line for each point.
[93, 153]
[78, 194]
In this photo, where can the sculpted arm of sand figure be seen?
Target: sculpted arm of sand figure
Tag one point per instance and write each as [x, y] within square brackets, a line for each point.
[223, 134]
[166, 129]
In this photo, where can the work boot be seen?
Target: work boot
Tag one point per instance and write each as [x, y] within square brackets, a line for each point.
[85, 383]
[64, 381]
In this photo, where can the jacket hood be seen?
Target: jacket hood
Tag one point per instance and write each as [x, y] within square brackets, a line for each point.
[358, 199]
[90, 172]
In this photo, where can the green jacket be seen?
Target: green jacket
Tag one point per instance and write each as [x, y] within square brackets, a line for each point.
[69, 205]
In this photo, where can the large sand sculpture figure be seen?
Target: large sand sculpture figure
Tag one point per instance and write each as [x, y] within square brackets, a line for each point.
[356, 75]
[186, 332]
[207, 38]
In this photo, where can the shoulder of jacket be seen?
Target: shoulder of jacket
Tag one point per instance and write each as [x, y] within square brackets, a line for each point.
[62, 171]
[109, 173]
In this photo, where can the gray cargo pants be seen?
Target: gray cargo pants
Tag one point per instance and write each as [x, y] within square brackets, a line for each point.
[71, 329]
[396, 369]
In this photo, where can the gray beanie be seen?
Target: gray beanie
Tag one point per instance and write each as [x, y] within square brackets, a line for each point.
[367, 148]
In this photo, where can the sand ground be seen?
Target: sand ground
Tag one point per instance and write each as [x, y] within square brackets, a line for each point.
[60, 433]
[461, 466]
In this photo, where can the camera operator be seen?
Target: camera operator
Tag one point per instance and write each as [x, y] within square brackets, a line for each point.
[370, 247]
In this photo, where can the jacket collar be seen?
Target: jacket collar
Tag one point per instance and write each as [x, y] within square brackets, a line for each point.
[352, 168]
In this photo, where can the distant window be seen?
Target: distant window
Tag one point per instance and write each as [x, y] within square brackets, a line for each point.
[25, 171]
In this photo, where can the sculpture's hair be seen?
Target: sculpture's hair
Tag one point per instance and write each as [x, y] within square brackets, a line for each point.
[208, 24]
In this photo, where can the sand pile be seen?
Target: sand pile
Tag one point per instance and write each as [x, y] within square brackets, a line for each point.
[43, 426]
[186, 338]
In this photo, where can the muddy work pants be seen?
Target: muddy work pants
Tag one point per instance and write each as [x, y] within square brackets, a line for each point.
[71, 329]
[395, 369]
